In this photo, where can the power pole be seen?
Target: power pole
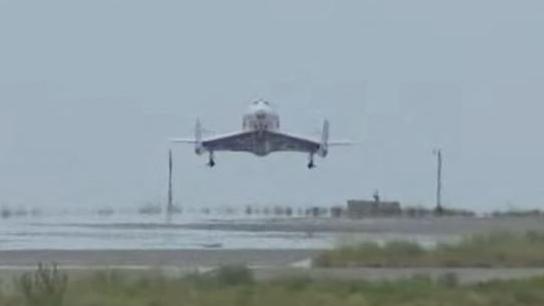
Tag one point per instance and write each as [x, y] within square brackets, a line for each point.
[170, 208]
[439, 209]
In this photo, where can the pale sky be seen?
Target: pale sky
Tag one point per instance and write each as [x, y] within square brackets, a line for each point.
[90, 91]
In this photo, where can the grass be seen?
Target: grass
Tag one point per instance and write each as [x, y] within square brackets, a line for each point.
[498, 249]
[234, 286]
[45, 287]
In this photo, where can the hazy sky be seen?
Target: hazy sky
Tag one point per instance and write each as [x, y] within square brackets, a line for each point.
[90, 91]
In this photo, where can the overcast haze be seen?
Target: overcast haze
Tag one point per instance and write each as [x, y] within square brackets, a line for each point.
[90, 91]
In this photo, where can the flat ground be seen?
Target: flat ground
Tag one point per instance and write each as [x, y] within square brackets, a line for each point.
[445, 226]
[155, 258]
[266, 264]
[269, 264]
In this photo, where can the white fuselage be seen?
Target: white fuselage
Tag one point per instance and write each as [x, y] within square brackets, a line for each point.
[261, 117]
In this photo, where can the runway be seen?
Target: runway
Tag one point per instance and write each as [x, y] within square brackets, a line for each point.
[154, 258]
[266, 265]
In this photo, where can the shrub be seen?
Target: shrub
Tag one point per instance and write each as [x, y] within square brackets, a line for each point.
[449, 280]
[489, 250]
[44, 287]
[234, 275]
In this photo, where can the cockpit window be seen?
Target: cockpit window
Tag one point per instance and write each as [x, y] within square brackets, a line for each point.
[261, 102]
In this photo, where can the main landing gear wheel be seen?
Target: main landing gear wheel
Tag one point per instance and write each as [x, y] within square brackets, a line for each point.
[211, 163]
[311, 163]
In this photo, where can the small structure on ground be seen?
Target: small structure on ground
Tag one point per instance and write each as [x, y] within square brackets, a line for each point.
[376, 208]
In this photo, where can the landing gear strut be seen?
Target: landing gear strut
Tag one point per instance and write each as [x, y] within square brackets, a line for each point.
[311, 163]
[211, 163]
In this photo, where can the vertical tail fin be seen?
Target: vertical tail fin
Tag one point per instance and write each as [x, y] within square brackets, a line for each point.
[324, 147]
[199, 149]
[325, 134]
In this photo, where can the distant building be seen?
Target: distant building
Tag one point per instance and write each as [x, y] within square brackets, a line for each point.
[364, 208]
[337, 211]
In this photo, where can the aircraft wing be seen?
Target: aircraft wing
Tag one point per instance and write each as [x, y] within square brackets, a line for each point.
[218, 141]
[287, 142]
[236, 142]
[247, 141]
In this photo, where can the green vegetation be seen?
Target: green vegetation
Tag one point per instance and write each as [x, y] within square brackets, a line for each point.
[499, 249]
[45, 287]
[234, 286]
[518, 213]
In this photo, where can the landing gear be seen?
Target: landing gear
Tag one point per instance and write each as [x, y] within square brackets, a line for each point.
[211, 163]
[311, 163]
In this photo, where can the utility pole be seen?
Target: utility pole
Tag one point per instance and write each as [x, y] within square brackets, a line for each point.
[439, 209]
[170, 208]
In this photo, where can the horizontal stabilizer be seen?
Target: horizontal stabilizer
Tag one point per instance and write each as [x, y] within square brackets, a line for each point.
[340, 143]
[183, 140]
